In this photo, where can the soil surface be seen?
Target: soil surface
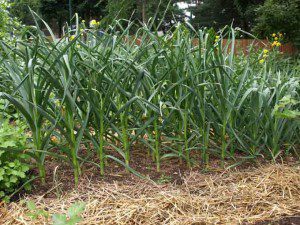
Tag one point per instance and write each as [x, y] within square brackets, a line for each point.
[172, 170]
[291, 220]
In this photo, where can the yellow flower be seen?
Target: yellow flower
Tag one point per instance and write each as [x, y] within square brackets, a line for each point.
[265, 55]
[276, 38]
[273, 35]
[72, 37]
[57, 103]
[217, 39]
[280, 35]
[278, 44]
[77, 46]
[266, 51]
[93, 23]
[261, 61]
[81, 32]
[83, 21]
[274, 43]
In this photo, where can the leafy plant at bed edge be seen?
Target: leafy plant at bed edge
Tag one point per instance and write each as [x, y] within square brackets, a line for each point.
[35, 212]
[72, 216]
[13, 166]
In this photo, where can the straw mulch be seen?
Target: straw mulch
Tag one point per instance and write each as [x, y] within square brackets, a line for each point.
[230, 197]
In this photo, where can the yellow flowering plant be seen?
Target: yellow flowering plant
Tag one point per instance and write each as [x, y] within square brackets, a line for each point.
[263, 56]
[94, 24]
[72, 37]
[217, 39]
[276, 39]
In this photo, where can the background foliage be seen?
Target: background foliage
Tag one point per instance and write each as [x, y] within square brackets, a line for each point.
[279, 16]
[259, 16]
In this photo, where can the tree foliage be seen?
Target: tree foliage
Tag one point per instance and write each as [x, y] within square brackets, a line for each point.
[218, 13]
[4, 18]
[90, 9]
[20, 9]
[164, 12]
[259, 16]
[8, 23]
[279, 16]
[55, 12]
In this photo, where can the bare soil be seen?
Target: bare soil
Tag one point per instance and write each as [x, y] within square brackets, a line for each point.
[292, 220]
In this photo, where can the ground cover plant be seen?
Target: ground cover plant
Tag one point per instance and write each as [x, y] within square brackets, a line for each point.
[110, 91]
[14, 165]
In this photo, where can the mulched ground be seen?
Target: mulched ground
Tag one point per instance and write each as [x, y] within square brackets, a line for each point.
[172, 170]
[293, 220]
[251, 194]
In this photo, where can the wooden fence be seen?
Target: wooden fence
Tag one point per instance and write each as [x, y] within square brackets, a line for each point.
[243, 45]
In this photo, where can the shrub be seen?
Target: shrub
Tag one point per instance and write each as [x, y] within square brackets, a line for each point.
[13, 166]
[279, 16]
[8, 25]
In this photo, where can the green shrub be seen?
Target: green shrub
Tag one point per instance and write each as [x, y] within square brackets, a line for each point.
[279, 16]
[4, 18]
[8, 24]
[13, 169]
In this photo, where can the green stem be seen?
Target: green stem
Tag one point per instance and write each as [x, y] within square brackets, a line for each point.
[72, 143]
[125, 139]
[185, 133]
[223, 147]
[205, 155]
[101, 144]
[40, 163]
[156, 147]
[42, 172]
[75, 164]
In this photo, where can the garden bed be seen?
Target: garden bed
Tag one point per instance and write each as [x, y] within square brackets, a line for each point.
[157, 109]
[256, 195]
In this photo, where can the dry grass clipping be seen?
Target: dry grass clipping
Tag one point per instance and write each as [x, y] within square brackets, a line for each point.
[269, 192]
